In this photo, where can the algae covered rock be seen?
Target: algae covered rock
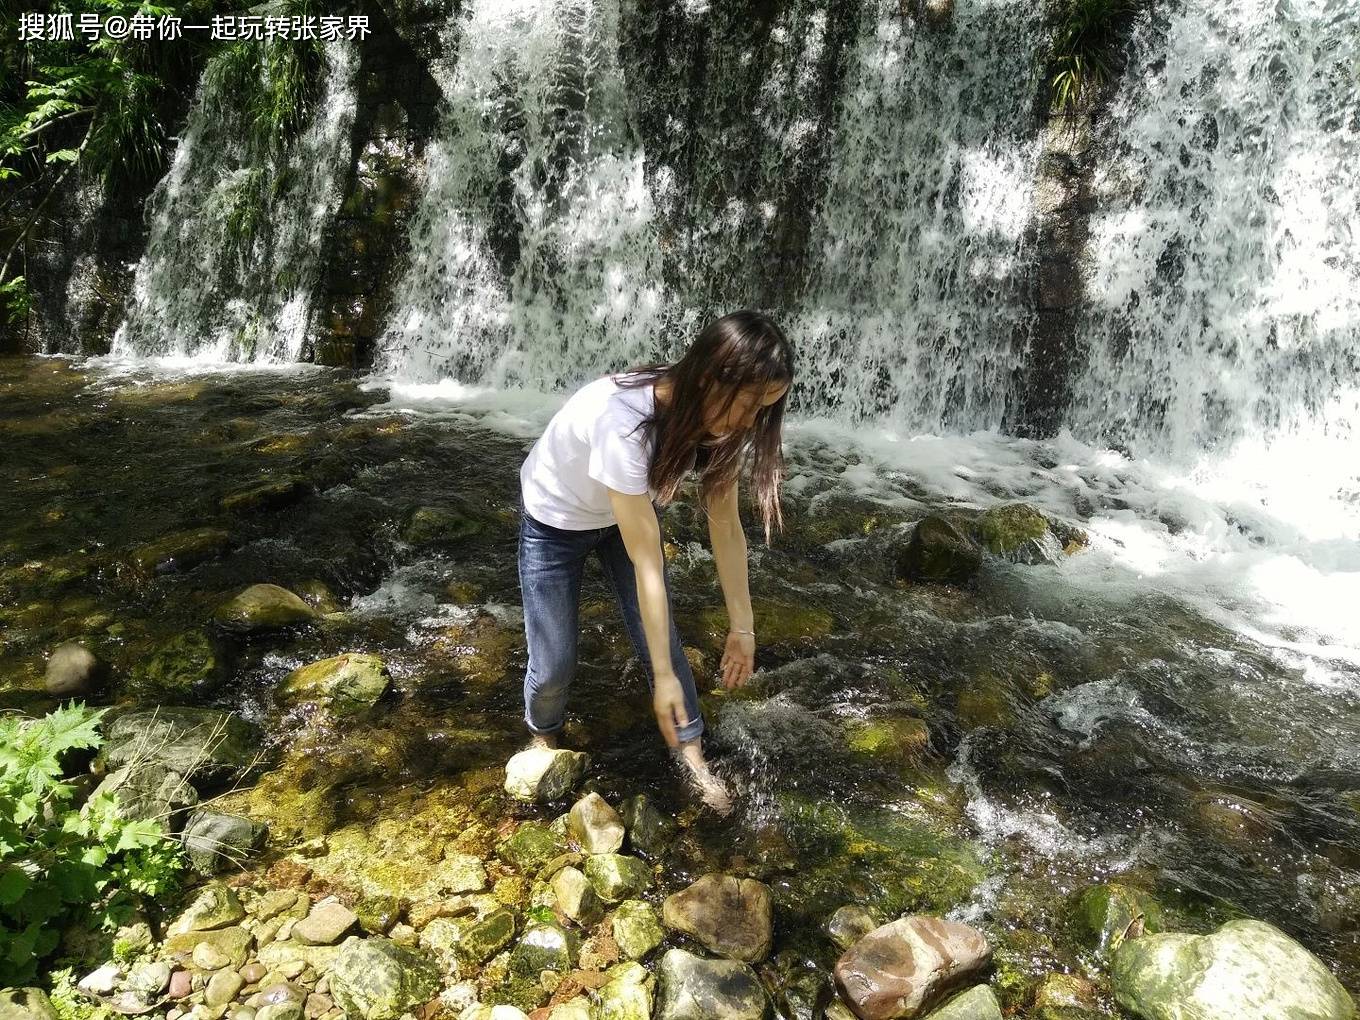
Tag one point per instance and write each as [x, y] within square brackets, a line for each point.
[347, 684]
[636, 929]
[978, 1003]
[376, 979]
[184, 664]
[215, 906]
[1017, 532]
[626, 996]
[429, 525]
[263, 607]
[616, 877]
[692, 988]
[939, 549]
[849, 924]
[1247, 970]
[903, 968]
[26, 1004]
[530, 847]
[487, 937]
[905, 740]
[544, 947]
[1107, 914]
[544, 774]
[180, 550]
[730, 916]
[649, 831]
[231, 944]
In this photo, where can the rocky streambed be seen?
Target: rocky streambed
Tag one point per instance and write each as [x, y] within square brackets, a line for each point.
[974, 779]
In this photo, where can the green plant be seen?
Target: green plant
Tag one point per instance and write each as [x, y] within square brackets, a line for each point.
[1086, 38]
[60, 862]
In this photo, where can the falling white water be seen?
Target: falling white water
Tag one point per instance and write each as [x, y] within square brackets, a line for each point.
[192, 294]
[1225, 279]
[530, 275]
[913, 316]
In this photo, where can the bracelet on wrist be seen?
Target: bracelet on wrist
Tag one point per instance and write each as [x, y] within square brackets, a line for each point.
[738, 630]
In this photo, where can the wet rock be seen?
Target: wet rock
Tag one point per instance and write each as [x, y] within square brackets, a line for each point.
[636, 929]
[902, 968]
[595, 825]
[616, 877]
[849, 924]
[487, 937]
[73, 671]
[730, 916]
[148, 790]
[439, 526]
[347, 684]
[1245, 969]
[214, 841]
[325, 925]
[207, 956]
[626, 996]
[649, 831]
[184, 664]
[269, 496]
[978, 1003]
[576, 897]
[544, 774]
[223, 987]
[939, 550]
[26, 1004]
[215, 906]
[1108, 914]
[101, 981]
[1065, 997]
[201, 744]
[530, 847]
[376, 979]
[691, 988]
[262, 607]
[233, 942]
[180, 550]
[938, 13]
[544, 947]
[905, 740]
[377, 914]
[1019, 533]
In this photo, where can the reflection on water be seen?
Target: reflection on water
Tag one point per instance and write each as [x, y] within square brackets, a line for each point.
[984, 753]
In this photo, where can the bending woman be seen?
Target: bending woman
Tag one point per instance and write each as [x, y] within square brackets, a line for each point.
[615, 452]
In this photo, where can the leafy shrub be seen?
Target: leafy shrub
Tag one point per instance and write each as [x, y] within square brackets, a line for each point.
[1087, 35]
[61, 862]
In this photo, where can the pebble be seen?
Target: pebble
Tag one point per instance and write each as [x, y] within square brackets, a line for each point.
[222, 988]
[253, 972]
[209, 957]
[181, 984]
[291, 968]
[317, 1005]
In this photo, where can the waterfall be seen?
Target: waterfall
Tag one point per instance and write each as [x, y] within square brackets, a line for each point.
[197, 292]
[1224, 291]
[580, 215]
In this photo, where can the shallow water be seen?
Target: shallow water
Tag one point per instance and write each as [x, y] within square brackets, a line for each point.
[1158, 706]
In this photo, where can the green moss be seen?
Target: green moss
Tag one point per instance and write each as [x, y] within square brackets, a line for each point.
[775, 623]
[187, 662]
[1104, 915]
[903, 740]
[1003, 529]
[529, 847]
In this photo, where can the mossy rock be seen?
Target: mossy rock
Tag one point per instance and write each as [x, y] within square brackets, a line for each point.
[184, 664]
[776, 623]
[985, 701]
[544, 947]
[904, 740]
[347, 684]
[487, 937]
[201, 744]
[263, 607]
[940, 550]
[376, 979]
[530, 847]
[1105, 915]
[1005, 529]
[479, 650]
[180, 551]
[427, 525]
[269, 496]
[616, 877]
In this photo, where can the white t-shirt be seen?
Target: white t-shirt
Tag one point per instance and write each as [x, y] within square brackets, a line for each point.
[591, 445]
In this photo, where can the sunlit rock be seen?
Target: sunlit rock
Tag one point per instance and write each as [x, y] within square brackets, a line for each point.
[730, 916]
[347, 684]
[595, 825]
[905, 967]
[376, 979]
[692, 988]
[263, 607]
[544, 774]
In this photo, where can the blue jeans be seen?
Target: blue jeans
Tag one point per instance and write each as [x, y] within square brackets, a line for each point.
[551, 561]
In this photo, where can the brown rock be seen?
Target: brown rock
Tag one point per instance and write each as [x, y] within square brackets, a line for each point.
[900, 969]
[730, 916]
[254, 972]
[180, 984]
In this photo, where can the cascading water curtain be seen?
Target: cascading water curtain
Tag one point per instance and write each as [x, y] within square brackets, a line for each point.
[234, 253]
[1225, 252]
[533, 252]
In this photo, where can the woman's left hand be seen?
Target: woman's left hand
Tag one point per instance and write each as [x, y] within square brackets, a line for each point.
[739, 659]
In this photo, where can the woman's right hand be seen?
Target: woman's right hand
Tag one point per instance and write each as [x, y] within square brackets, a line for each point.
[668, 701]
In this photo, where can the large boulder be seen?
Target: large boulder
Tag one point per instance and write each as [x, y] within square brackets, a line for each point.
[900, 969]
[262, 607]
[692, 988]
[376, 979]
[26, 1004]
[730, 916]
[939, 549]
[1247, 970]
[200, 744]
[148, 790]
[595, 825]
[347, 684]
[544, 774]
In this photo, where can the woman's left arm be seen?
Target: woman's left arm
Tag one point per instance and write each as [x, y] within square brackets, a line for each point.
[729, 552]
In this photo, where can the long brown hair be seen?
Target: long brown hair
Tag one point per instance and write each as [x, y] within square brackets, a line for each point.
[731, 353]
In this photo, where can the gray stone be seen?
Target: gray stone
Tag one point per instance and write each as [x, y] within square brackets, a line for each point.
[214, 841]
[376, 979]
[901, 969]
[939, 550]
[649, 831]
[730, 916]
[208, 957]
[576, 897]
[1246, 969]
[849, 924]
[150, 978]
[691, 988]
[325, 925]
[73, 671]
[595, 825]
[199, 744]
[148, 790]
[234, 942]
[215, 906]
[626, 996]
[262, 607]
[978, 1003]
[347, 684]
[102, 980]
[544, 774]
[544, 947]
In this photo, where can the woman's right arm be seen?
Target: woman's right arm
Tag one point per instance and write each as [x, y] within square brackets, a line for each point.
[641, 534]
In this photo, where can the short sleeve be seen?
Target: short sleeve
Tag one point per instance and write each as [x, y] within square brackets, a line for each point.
[618, 457]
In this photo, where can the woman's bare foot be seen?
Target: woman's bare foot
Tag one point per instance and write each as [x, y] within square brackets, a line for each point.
[711, 789]
[543, 741]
